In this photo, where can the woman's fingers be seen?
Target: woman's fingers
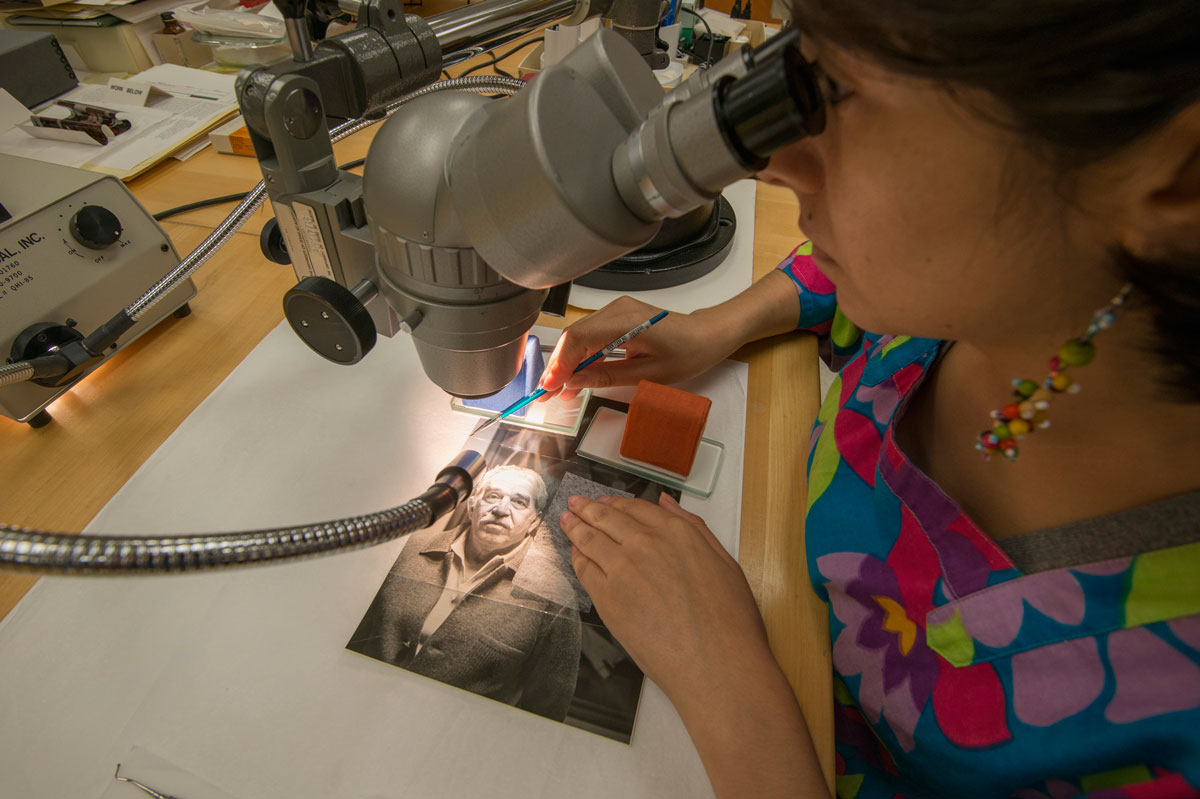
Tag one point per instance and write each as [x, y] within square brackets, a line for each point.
[639, 510]
[595, 544]
[586, 570]
[627, 371]
[589, 335]
[605, 516]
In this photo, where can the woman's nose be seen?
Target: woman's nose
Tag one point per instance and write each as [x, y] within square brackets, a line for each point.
[797, 167]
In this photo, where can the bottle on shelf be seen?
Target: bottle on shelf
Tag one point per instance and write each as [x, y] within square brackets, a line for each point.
[171, 26]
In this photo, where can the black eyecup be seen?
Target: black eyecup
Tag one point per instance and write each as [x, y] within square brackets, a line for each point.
[774, 104]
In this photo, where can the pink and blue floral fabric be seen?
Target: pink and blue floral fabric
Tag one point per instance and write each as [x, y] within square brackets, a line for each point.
[956, 675]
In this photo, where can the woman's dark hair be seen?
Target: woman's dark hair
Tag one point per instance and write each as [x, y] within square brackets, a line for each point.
[1080, 78]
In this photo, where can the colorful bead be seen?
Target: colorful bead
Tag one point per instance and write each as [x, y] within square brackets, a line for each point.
[1061, 382]
[1017, 419]
[1025, 388]
[1076, 352]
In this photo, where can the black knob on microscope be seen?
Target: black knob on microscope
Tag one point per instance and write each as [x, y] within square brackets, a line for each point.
[95, 227]
[330, 320]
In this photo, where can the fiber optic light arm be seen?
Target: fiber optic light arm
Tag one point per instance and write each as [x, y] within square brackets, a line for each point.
[24, 550]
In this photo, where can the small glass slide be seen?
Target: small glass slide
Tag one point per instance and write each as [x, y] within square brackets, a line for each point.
[552, 416]
[602, 442]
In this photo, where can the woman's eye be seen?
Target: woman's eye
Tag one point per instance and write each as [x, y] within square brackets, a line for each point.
[834, 92]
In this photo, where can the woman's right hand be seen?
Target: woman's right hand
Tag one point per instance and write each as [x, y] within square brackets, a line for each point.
[678, 347]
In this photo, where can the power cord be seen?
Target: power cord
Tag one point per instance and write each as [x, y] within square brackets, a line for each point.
[712, 40]
[227, 198]
[501, 57]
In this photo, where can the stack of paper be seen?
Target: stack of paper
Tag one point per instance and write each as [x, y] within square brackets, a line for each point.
[171, 108]
[91, 13]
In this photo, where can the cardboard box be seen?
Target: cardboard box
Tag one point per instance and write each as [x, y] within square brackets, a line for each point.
[755, 33]
[232, 138]
[180, 49]
[108, 48]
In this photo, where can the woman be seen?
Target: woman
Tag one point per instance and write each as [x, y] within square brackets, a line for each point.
[1003, 191]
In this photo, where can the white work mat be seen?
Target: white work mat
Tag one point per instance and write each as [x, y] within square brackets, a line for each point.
[733, 276]
[241, 679]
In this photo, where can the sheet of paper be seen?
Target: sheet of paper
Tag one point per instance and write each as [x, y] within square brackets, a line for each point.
[734, 275]
[241, 678]
[186, 81]
[12, 111]
[141, 10]
[186, 103]
[124, 148]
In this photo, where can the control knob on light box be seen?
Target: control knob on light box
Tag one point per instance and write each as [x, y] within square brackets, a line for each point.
[95, 227]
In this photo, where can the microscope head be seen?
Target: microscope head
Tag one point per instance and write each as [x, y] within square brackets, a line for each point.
[477, 207]
[468, 323]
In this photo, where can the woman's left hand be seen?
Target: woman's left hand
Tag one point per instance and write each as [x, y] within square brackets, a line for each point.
[665, 587]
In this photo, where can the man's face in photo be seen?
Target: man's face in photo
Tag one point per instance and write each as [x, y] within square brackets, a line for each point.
[502, 513]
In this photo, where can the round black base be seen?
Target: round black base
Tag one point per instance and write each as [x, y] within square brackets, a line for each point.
[663, 265]
[39, 419]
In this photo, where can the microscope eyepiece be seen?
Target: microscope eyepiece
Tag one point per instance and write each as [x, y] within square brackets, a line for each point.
[776, 102]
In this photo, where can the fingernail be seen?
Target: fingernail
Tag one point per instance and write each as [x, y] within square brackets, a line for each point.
[568, 518]
[575, 502]
[667, 499]
[605, 500]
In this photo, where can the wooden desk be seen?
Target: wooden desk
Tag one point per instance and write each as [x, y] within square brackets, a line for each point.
[60, 476]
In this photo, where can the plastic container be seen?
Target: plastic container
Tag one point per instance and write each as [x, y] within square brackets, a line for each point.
[234, 51]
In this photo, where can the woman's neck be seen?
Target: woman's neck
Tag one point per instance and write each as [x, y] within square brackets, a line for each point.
[1118, 443]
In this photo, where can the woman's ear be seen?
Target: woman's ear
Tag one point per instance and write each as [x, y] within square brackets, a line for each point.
[1166, 221]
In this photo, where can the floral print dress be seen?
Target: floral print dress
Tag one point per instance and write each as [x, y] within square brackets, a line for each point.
[956, 675]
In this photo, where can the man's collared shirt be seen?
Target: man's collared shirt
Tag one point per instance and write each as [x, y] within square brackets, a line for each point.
[459, 585]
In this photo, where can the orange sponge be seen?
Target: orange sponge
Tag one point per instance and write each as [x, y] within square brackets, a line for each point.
[664, 426]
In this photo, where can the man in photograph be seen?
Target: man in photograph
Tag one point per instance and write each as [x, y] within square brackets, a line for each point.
[449, 609]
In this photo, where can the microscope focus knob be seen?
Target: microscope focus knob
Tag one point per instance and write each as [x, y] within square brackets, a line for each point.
[95, 227]
[330, 320]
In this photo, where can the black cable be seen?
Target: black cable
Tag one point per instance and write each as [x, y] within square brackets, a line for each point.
[228, 198]
[501, 57]
[712, 38]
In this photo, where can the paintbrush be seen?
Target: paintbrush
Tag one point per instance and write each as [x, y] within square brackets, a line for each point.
[521, 403]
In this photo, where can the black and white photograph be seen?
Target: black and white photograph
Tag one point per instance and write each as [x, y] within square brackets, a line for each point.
[488, 602]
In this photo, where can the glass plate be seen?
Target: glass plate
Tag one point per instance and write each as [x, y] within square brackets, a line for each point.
[602, 442]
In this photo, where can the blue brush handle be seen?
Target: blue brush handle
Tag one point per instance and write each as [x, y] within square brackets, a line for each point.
[521, 403]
